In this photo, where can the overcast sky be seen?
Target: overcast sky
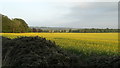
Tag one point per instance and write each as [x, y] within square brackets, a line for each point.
[63, 13]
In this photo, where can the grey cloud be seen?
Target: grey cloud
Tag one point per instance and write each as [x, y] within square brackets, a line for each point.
[96, 14]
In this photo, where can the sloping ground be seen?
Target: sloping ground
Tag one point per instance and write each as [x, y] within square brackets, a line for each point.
[26, 52]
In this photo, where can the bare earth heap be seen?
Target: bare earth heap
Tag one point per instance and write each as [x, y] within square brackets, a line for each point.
[26, 52]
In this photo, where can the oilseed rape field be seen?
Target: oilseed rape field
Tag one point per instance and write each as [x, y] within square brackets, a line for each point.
[85, 43]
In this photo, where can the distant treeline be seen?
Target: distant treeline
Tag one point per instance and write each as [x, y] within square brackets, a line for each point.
[15, 25]
[92, 30]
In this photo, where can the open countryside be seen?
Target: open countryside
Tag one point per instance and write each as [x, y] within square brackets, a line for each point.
[59, 33]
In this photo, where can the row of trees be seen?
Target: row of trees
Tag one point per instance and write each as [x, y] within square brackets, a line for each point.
[20, 26]
[93, 30]
[14, 25]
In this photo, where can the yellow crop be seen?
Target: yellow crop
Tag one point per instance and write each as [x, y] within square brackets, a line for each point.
[100, 43]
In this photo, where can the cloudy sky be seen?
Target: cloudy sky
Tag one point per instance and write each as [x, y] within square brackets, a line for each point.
[63, 13]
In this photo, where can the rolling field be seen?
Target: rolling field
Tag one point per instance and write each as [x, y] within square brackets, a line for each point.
[86, 43]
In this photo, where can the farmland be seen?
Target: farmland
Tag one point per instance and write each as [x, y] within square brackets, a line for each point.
[86, 43]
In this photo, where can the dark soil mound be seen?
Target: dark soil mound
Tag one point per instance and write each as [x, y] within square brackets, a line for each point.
[27, 52]
[33, 51]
